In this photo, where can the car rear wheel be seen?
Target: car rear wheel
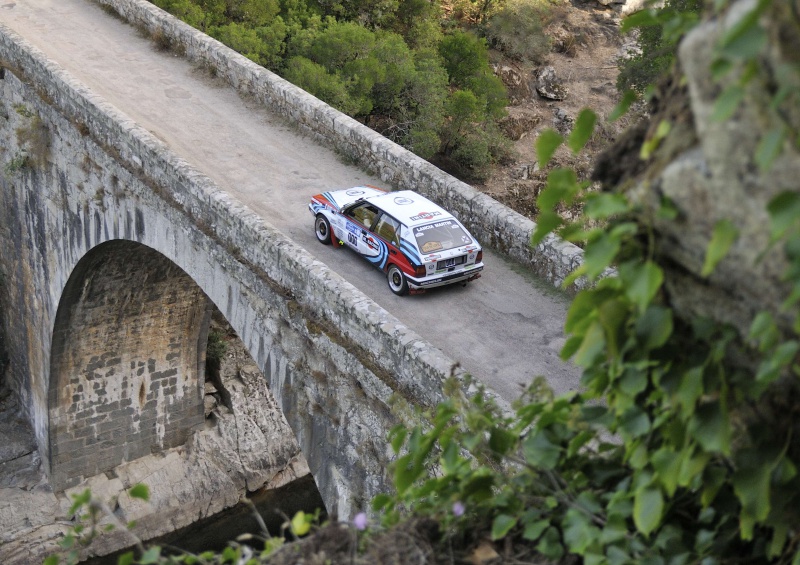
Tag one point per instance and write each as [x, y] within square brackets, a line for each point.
[323, 229]
[397, 281]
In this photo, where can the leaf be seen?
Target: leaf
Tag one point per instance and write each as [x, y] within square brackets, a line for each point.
[80, 500]
[628, 98]
[301, 524]
[650, 145]
[727, 103]
[648, 506]
[784, 211]
[654, 327]
[769, 147]
[546, 222]
[140, 491]
[600, 205]
[582, 131]
[642, 281]
[501, 441]
[578, 531]
[764, 331]
[501, 525]
[711, 428]
[641, 18]
[546, 145]
[380, 501]
[562, 184]
[550, 544]
[667, 465]
[771, 367]
[539, 451]
[534, 530]
[150, 556]
[397, 436]
[599, 254]
[592, 346]
[126, 558]
[690, 389]
[51, 560]
[723, 236]
[634, 422]
[746, 45]
[405, 473]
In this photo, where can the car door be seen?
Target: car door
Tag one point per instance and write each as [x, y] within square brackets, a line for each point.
[359, 221]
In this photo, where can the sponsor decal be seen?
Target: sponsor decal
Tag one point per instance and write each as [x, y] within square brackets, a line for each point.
[430, 282]
[443, 224]
[351, 227]
[354, 192]
[425, 216]
[403, 201]
[371, 243]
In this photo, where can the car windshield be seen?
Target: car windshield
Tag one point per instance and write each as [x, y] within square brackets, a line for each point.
[441, 236]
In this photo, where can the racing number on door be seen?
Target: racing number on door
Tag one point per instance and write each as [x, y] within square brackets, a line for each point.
[351, 239]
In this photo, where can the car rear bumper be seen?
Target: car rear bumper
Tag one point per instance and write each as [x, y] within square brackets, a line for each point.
[432, 282]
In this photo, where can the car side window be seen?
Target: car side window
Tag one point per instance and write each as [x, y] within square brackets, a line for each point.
[364, 213]
[388, 229]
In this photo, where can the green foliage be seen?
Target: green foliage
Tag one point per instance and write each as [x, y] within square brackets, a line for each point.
[465, 56]
[215, 349]
[18, 162]
[384, 62]
[86, 507]
[263, 45]
[671, 454]
[516, 29]
[659, 33]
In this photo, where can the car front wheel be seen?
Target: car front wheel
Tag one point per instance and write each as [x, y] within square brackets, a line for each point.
[323, 230]
[397, 281]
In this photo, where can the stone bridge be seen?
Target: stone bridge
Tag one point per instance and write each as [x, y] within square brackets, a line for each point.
[113, 250]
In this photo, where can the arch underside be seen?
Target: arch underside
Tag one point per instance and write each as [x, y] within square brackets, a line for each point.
[127, 367]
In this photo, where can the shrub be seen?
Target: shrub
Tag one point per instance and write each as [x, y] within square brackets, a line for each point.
[516, 29]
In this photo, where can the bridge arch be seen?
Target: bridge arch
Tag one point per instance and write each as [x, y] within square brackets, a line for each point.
[127, 363]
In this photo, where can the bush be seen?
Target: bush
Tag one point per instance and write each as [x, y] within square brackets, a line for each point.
[516, 30]
[465, 55]
[658, 45]
[262, 45]
[315, 79]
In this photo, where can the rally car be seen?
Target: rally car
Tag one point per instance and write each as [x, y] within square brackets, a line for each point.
[416, 243]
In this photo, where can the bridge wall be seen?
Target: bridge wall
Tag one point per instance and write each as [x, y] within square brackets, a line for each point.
[492, 223]
[76, 174]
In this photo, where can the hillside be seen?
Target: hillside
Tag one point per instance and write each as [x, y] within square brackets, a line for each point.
[586, 45]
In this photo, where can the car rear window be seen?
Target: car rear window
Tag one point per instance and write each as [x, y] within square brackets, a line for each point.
[441, 236]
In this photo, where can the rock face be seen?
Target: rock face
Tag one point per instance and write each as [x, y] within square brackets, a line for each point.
[708, 169]
[246, 447]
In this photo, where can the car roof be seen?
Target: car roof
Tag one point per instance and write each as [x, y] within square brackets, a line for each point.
[410, 208]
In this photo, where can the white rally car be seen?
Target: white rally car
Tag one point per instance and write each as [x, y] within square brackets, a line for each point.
[418, 244]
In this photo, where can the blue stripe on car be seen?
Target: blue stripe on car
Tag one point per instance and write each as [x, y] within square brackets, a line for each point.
[383, 254]
[410, 252]
[331, 200]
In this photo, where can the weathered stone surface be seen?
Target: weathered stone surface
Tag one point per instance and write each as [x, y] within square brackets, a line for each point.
[549, 86]
[707, 168]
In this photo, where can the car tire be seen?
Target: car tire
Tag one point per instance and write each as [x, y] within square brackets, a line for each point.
[397, 280]
[322, 228]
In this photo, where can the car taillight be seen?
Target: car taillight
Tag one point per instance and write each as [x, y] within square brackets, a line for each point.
[479, 258]
[419, 271]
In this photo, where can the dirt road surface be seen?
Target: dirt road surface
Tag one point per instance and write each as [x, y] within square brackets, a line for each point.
[504, 328]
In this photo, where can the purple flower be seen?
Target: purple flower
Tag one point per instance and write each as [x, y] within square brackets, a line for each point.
[360, 521]
[458, 509]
